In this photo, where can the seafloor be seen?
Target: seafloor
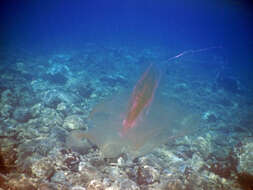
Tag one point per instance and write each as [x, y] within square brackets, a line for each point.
[45, 97]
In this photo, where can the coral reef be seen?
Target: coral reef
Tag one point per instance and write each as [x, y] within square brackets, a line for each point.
[61, 116]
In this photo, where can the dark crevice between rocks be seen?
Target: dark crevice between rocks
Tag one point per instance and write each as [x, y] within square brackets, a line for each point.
[225, 168]
[245, 180]
[72, 162]
[57, 79]
[3, 168]
[85, 91]
[2, 88]
[7, 165]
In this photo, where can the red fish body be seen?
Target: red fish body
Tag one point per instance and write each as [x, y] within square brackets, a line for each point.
[141, 98]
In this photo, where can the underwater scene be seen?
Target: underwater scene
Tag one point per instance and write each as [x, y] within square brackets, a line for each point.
[126, 95]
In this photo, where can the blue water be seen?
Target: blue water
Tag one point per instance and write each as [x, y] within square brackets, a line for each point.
[181, 23]
[69, 71]
[178, 25]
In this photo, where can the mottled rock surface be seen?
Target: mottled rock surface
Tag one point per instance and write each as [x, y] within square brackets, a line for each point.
[46, 102]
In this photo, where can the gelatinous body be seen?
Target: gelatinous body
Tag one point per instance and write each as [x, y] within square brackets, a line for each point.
[141, 98]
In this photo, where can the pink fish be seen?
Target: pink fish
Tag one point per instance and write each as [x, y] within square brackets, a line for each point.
[142, 96]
